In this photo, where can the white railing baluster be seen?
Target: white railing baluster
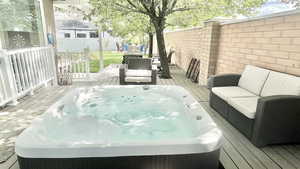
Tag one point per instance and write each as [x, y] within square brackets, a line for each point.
[3, 91]
[24, 70]
[29, 71]
[16, 70]
[32, 72]
[37, 70]
[48, 63]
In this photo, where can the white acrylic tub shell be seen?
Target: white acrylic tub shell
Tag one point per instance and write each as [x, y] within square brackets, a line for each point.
[32, 143]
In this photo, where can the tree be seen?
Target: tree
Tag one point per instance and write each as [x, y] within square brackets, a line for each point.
[132, 27]
[161, 11]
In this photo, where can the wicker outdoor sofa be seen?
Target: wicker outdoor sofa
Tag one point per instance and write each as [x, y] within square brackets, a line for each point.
[262, 104]
[137, 71]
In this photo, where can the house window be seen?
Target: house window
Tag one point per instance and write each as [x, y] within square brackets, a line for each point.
[81, 35]
[21, 24]
[67, 35]
[93, 34]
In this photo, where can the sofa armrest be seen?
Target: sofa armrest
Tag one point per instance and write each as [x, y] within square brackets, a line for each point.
[154, 77]
[122, 75]
[223, 80]
[277, 120]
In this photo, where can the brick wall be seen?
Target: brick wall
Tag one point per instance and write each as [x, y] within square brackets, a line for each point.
[186, 43]
[271, 42]
[195, 43]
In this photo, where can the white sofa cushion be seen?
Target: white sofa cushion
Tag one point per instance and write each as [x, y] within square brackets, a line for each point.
[138, 73]
[132, 79]
[281, 84]
[253, 79]
[232, 91]
[245, 105]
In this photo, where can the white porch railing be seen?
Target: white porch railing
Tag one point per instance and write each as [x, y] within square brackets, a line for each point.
[24, 70]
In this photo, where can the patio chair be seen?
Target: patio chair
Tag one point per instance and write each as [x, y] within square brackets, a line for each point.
[137, 71]
[127, 56]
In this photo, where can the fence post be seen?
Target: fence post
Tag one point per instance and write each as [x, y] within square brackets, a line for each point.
[87, 62]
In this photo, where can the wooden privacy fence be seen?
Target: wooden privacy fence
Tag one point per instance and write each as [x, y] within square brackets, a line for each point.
[24, 70]
[73, 66]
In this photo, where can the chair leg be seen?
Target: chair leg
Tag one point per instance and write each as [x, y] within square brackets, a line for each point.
[154, 77]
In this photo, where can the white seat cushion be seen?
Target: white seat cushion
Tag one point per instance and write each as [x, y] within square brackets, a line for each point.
[253, 79]
[246, 105]
[138, 73]
[135, 79]
[232, 91]
[281, 84]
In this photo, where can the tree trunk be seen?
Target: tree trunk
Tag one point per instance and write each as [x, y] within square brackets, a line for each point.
[162, 51]
[150, 45]
[101, 60]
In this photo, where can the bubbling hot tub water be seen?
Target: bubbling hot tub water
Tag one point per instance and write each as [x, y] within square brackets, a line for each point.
[118, 117]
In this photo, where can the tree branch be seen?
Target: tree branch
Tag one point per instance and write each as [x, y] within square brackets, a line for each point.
[151, 9]
[129, 9]
[164, 7]
[180, 10]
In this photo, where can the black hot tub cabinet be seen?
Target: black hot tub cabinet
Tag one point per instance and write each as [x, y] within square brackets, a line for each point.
[83, 146]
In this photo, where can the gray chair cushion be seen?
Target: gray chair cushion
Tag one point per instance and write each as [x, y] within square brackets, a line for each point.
[232, 91]
[253, 79]
[281, 84]
[246, 105]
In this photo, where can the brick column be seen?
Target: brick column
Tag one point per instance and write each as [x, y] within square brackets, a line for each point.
[209, 50]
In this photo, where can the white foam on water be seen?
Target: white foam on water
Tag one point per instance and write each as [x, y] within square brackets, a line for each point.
[116, 117]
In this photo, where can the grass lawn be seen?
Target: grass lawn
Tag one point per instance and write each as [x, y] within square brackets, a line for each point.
[109, 58]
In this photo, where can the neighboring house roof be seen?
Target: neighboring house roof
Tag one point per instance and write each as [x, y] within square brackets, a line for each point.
[74, 24]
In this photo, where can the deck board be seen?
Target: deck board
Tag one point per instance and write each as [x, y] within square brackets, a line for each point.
[237, 152]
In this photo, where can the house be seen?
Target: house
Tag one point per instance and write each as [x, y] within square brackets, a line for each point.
[74, 36]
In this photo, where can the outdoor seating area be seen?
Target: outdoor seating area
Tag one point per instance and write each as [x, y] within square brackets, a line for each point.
[137, 71]
[237, 152]
[263, 104]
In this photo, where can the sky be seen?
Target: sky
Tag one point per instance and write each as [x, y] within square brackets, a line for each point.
[274, 6]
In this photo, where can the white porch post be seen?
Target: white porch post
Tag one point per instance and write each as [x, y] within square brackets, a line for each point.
[43, 21]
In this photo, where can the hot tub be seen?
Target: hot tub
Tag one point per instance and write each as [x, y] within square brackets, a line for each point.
[115, 127]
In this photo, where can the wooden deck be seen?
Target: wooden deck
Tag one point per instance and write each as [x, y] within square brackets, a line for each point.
[237, 152]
